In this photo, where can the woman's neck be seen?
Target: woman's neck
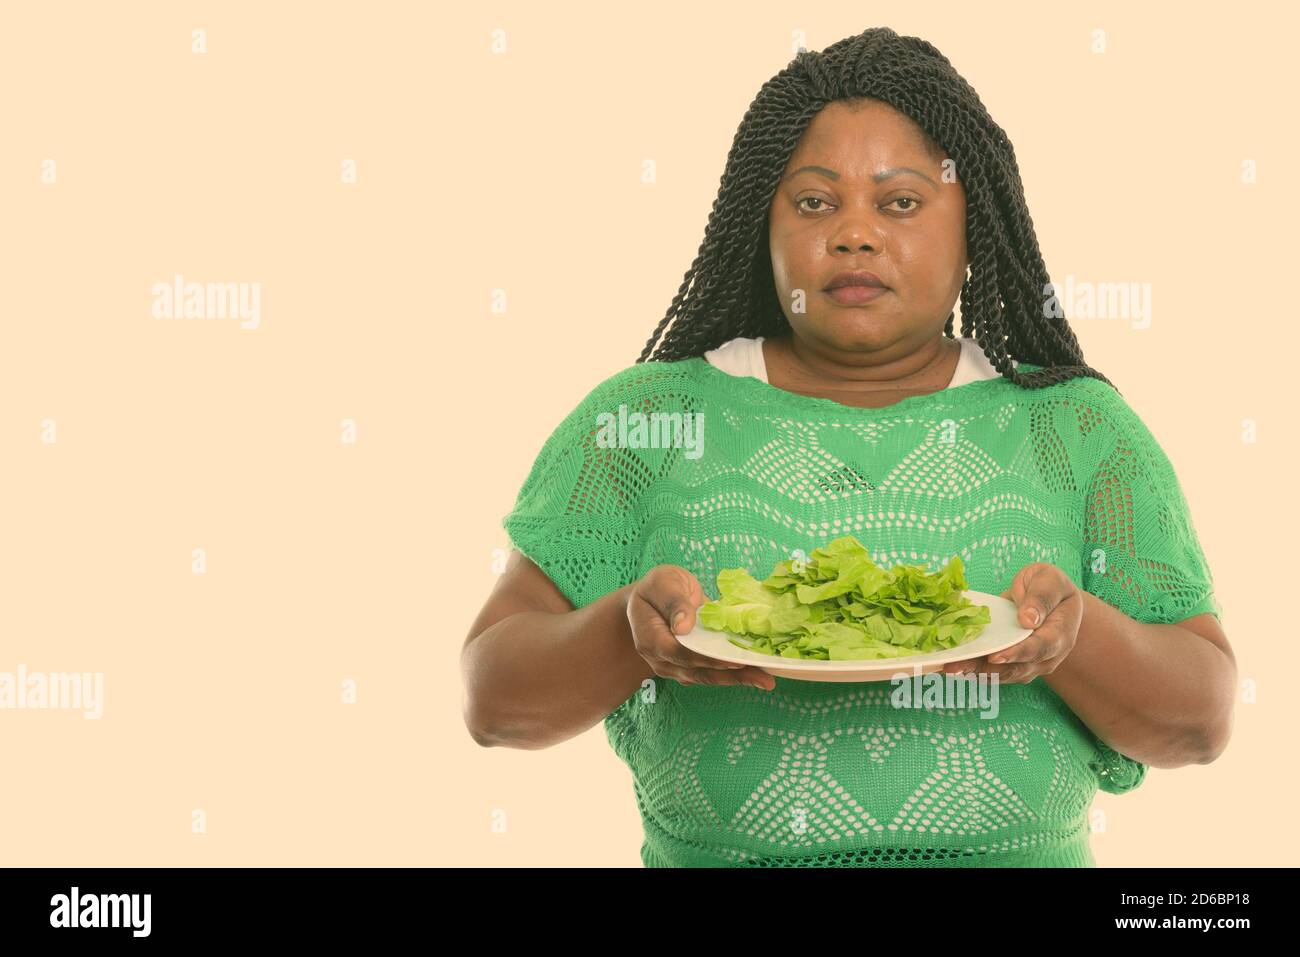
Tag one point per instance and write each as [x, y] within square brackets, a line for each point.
[798, 370]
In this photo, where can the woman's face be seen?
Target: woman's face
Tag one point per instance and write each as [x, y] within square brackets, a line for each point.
[863, 191]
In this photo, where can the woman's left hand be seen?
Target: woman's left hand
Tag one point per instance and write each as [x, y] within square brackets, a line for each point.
[1044, 589]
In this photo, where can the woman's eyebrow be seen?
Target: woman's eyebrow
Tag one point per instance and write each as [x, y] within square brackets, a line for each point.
[877, 177]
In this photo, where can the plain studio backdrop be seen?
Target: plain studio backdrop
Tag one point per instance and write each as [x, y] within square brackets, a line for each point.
[268, 525]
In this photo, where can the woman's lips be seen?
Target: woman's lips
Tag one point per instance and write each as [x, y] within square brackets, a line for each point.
[856, 295]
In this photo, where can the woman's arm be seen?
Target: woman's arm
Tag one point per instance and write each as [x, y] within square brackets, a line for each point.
[1160, 694]
[537, 674]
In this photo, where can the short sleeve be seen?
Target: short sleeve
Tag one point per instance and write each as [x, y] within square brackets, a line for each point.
[573, 516]
[1142, 553]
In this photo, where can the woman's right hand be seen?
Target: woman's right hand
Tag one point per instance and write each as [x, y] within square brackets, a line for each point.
[663, 605]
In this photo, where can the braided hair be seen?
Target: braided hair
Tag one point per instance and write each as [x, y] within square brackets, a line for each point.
[730, 290]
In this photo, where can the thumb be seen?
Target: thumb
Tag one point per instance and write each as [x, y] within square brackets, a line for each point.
[684, 608]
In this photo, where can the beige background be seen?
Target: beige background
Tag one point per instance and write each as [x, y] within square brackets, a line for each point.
[517, 170]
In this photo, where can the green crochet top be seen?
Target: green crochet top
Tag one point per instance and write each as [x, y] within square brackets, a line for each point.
[832, 774]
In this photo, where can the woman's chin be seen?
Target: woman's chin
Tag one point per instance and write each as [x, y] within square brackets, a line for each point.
[861, 330]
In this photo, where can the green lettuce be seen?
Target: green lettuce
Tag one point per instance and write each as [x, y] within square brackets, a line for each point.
[839, 605]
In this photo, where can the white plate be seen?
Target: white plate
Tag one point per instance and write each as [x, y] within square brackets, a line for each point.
[1002, 632]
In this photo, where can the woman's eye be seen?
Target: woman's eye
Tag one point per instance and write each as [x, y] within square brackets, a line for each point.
[810, 199]
[912, 203]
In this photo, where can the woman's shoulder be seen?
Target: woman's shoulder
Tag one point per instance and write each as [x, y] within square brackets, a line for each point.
[1106, 419]
[642, 384]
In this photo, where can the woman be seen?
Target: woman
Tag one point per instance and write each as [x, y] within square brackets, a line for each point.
[813, 362]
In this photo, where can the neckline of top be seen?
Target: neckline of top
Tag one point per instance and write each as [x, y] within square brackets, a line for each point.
[968, 356]
[764, 393]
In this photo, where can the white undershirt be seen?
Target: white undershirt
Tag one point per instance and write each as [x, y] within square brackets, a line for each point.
[745, 357]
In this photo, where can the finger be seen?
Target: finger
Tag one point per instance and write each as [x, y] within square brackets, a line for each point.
[683, 676]
[1031, 649]
[660, 643]
[1037, 591]
[1013, 674]
[667, 647]
[684, 610]
[1016, 590]
[758, 678]
[1019, 593]
[966, 667]
[1049, 640]
[711, 676]
[1022, 673]
[682, 657]
[671, 591]
[1028, 599]
[1044, 644]
[754, 677]
[714, 676]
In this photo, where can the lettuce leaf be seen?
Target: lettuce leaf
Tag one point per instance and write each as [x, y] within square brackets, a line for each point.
[839, 605]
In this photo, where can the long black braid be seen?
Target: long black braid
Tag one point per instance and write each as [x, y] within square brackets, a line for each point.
[730, 290]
